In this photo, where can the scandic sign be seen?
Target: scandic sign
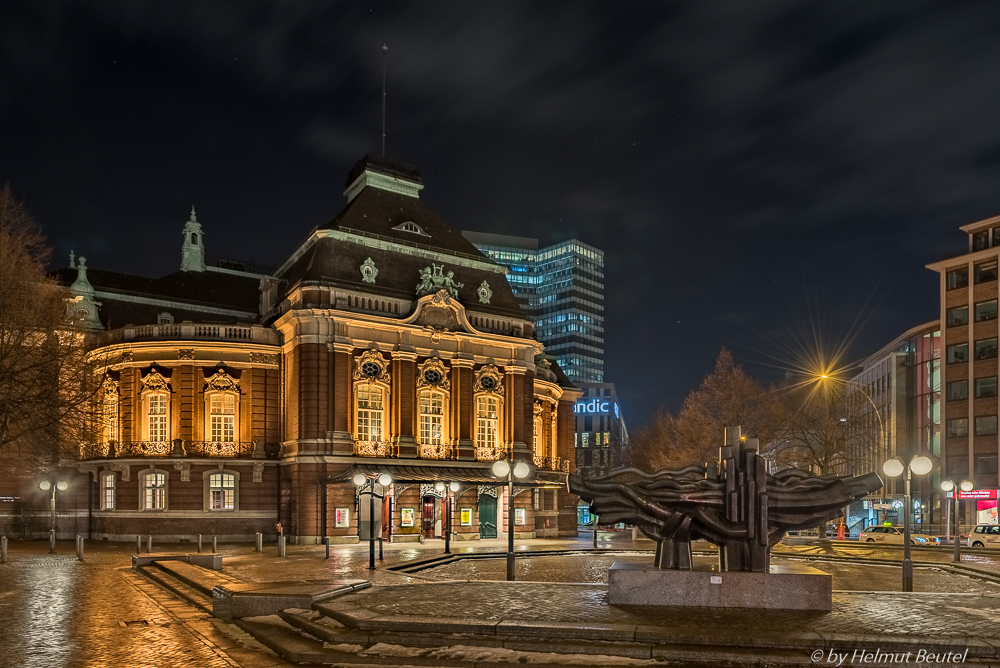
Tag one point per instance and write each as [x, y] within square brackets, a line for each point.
[592, 406]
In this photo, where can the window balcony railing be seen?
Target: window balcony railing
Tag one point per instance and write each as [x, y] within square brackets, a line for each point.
[177, 448]
[550, 463]
[373, 449]
[436, 451]
[490, 453]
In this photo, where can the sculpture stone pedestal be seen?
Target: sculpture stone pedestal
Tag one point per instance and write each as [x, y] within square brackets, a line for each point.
[786, 587]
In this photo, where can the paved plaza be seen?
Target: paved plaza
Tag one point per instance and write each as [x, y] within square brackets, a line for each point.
[59, 612]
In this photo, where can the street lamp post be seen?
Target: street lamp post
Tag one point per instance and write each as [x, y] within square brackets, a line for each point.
[950, 486]
[503, 469]
[365, 482]
[893, 468]
[446, 526]
[45, 486]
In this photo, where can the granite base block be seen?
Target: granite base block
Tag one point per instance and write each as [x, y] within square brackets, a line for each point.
[269, 598]
[791, 587]
[204, 559]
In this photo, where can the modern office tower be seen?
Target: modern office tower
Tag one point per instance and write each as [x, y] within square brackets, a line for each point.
[601, 435]
[968, 286]
[896, 412]
[560, 287]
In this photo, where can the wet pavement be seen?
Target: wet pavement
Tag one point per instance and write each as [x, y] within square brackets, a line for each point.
[58, 612]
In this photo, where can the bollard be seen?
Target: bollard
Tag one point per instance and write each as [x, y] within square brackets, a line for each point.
[260, 543]
[138, 544]
[199, 543]
[327, 541]
[52, 541]
[149, 543]
[215, 545]
[3, 549]
[79, 547]
[281, 546]
[635, 533]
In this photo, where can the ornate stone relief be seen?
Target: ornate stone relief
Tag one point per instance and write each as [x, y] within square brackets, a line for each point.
[428, 490]
[368, 271]
[433, 279]
[185, 354]
[185, 469]
[484, 293]
[536, 409]
[124, 469]
[370, 365]
[222, 382]
[489, 380]
[127, 356]
[155, 381]
[258, 471]
[263, 358]
[433, 373]
[109, 388]
[488, 490]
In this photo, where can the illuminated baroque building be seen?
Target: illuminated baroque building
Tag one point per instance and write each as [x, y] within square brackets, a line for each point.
[386, 343]
[561, 287]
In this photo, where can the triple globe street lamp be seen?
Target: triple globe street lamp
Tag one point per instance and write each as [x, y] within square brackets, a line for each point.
[895, 467]
[503, 469]
[950, 486]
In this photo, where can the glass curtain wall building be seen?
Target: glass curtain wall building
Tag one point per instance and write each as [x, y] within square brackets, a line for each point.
[561, 287]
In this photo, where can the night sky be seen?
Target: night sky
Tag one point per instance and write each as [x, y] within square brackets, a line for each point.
[767, 176]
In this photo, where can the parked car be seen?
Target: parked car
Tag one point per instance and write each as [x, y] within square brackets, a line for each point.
[985, 535]
[894, 536]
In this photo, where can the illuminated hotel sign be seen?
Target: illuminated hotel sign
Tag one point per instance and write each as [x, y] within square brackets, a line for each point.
[592, 406]
[975, 494]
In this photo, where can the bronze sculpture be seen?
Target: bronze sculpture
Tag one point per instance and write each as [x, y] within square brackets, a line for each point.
[734, 503]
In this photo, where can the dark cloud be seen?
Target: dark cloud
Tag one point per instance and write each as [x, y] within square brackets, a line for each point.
[763, 176]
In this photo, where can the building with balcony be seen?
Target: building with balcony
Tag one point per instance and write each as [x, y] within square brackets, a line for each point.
[561, 287]
[231, 401]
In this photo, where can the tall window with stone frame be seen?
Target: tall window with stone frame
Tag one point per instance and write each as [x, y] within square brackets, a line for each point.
[431, 417]
[109, 416]
[370, 412]
[487, 421]
[222, 491]
[154, 490]
[107, 490]
[157, 417]
[537, 435]
[222, 417]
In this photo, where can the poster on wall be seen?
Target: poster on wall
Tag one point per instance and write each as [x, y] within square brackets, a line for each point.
[466, 517]
[406, 517]
[519, 516]
[343, 519]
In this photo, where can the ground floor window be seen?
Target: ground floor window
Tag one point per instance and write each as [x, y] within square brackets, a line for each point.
[222, 491]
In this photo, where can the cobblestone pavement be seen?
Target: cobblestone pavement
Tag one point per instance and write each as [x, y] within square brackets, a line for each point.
[58, 612]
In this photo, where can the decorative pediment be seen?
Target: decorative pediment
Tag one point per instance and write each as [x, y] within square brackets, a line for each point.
[489, 380]
[370, 365]
[155, 382]
[433, 373]
[433, 279]
[222, 382]
[441, 313]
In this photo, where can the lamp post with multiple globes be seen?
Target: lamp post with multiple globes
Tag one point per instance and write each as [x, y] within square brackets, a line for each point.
[365, 482]
[503, 469]
[446, 526]
[919, 465]
[950, 486]
[53, 485]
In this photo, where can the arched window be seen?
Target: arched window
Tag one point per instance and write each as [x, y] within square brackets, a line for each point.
[433, 388]
[370, 413]
[153, 486]
[371, 405]
[109, 411]
[107, 485]
[487, 421]
[489, 396]
[431, 417]
[222, 490]
[222, 403]
[156, 408]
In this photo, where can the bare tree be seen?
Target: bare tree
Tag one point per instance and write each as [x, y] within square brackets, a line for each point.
[727, 397]
[45, 383]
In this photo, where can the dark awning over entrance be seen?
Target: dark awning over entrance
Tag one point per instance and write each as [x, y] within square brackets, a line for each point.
[478, 475]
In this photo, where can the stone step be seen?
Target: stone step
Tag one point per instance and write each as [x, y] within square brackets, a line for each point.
[197, 577]
[192, 595]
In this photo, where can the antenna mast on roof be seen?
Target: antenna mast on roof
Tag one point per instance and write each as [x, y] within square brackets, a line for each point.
[385, 50]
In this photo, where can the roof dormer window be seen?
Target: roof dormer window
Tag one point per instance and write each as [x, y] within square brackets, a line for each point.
[411, 227]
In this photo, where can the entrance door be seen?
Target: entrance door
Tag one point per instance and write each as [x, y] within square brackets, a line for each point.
[487, 516]
[427, 518]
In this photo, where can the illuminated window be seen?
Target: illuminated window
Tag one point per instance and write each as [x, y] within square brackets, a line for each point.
[958, 427]
[370, 413]
[157, 411]
[487, 421]
[986, 349]
[108, 490]
[986, 310]
[957, 390]
[957, 352]
[109, 421]
[981, 240]
[431, 417]
[154, 490]
[986, 387]
[222, 491]
[222, 417]
[536, 435]
[986, 271]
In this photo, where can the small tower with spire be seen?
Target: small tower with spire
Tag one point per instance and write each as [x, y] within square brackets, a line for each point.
[193, 248]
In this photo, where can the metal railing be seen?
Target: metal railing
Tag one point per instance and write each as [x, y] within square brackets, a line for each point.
[126, 449]
[373, 449]
[249, 333]
[487, 453]
[436, 451]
